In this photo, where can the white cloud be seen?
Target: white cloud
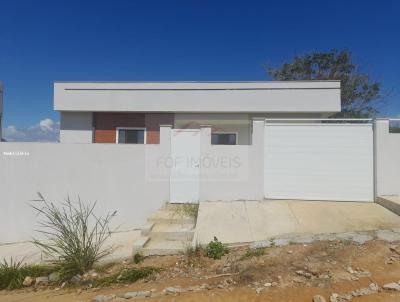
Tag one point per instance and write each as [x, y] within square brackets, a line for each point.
[46, 130]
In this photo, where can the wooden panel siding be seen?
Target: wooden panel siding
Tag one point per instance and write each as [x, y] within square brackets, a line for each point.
[105, 125]
[153, 122]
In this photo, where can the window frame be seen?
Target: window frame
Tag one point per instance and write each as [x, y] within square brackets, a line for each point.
[130, 128]
[226, 132]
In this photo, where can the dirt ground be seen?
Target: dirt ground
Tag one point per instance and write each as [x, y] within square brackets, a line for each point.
[296, 272]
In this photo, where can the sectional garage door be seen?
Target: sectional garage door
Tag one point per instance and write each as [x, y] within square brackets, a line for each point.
[319, 161]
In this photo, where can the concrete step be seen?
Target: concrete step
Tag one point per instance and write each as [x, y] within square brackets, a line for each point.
[392, 203]
[172, 232]
[165, 216]
[164, 247]
[146, 229]
[139, 244]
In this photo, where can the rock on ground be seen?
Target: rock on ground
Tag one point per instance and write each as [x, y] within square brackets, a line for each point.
[318, 298]
[334, 297]
[41, 280]
[138, 294]
[28, 281]
[172, 290]
[54, 277]
[102, 298]
[392, 286]
[76, 279]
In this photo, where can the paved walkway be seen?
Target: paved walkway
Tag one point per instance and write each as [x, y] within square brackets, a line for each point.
[249, 221]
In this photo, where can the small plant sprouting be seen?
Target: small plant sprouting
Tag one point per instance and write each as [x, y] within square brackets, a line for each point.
[128, 275]
[193, 252]
[215, 249]
[138, 258]
[190, 210]
[254, 253]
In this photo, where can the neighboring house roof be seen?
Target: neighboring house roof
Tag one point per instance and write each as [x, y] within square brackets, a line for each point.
[265, 96]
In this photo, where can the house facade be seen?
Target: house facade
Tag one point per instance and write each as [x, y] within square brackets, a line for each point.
[134, 146]
[132, 112]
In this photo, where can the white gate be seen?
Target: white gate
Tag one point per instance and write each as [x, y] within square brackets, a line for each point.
[319, 161]
[185, 171]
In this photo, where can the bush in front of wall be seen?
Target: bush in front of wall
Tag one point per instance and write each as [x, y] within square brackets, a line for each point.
[215, 249]
[13, 273]
[74, 236]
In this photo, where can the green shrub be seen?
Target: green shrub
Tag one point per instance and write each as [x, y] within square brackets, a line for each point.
[74, 236]
[254, 253]
[186, 210]
[11, 276]
[128, 275]
[215, 249]
[133, 274]
[13, 273]
[137, 258]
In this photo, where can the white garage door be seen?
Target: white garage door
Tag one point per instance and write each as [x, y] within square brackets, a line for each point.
[319, 162]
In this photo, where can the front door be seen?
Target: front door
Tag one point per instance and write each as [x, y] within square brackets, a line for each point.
[185, 171]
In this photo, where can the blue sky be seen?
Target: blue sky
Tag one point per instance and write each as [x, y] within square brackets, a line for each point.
[46, 41]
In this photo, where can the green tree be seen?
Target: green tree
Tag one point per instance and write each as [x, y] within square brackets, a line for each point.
[360, 96]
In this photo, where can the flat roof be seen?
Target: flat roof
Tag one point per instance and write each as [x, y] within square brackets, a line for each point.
[201, 85]
[190, 96]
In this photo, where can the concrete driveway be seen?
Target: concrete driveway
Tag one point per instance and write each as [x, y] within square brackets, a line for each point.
[248, 221]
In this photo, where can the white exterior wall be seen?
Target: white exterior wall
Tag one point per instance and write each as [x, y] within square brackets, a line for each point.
[232, 172]
[1, 109]
[274, 96]
[220, 122]
[76, 127]
[239, 123]
[125, 178]
[135, 179]
[387, 159]
[132, 179]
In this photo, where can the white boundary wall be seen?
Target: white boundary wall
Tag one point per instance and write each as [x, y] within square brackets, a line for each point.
[232, 172]
[387, 159]
[124, 178]
[134, 179]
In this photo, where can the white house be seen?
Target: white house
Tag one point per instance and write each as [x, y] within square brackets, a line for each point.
[132, 112]
[133, 146]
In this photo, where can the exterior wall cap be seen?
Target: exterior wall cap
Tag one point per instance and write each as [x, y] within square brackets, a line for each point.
[213, 97]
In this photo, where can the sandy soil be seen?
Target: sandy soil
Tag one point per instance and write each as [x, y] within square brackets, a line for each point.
[338, 267]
